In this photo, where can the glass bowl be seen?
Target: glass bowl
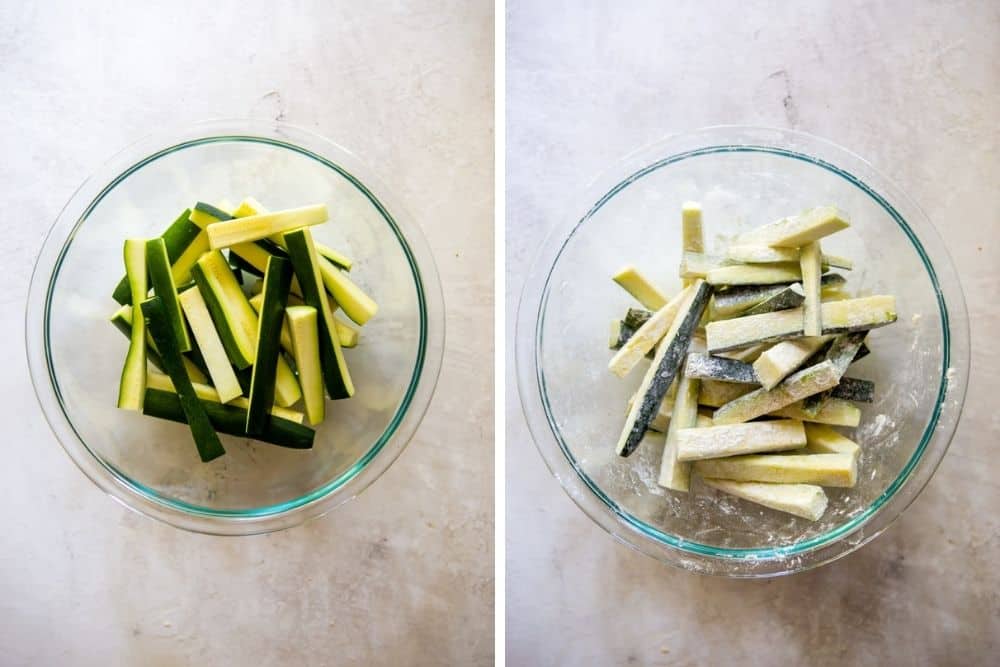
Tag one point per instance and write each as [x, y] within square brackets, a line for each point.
[75, 355]
[743, 177]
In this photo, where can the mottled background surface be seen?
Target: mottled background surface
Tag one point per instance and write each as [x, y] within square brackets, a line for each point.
[915, 88]
[403, 575]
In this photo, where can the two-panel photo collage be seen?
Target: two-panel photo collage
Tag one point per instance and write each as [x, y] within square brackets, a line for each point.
[473, 333]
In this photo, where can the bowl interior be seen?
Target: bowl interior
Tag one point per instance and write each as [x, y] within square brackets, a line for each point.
[85, 353]
[638, 222]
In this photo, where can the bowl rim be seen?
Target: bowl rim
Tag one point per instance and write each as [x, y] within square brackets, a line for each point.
[396, 434]
[752, 562]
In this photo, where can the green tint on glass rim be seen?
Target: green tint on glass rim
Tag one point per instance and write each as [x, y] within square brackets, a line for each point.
[258, 149]
[765, 155]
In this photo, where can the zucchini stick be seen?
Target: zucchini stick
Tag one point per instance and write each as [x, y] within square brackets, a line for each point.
[805, 500]
[636, 284]
[648, 335]
[132, 386]
[810, 262]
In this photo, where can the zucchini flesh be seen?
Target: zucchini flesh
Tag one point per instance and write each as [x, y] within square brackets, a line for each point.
[808, 501]
[821, 439]
[132, 386]
[204, 214]
[348, 336]
[697, 265]
[840, 470]
[230, 420]
[207, 392]
[234, 318]
[810, 264]
[797, 231]
[754, 274]
[838, 317]
[158, 268]
[303, 330]
[759, 402]
[648, 335]
[694, 444]
[639, 287]
[261, 226]
[340, 260]
[305, 262]
[692, 236]
[205, 437]
[674, 473]
[213, 351]
[835, 412]
[763, 254]
[664, 368]
[277, 280]
[708, 367]
[177, 237]
[352, 300]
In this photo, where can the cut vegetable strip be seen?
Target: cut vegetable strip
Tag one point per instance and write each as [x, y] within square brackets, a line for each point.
[636, 317]
[340, 260]
[748, 354]
[177, 237]
[835, 412]
[208, 393]
[693, 237]
[790, 297]
[251, 206]
[636, 284]
[277, 281]
[234, 318]
[213, 351]
[665, 364]
[783, 359]
[204, 214]
[306, 264]
[754, 274]
[805, 383]
[763, 254]
[698, 265]
[619, 334]
[708, 367]
[304, 332]
[162, 282]
[821, 439]
[255, 227]
[648, 335]
[735, 300]
[122, 319]
[796, 231]
[205, 438]
[661, 420]
[841, 353]
[840, 470]
[352, 300]
[838, 317]
[811, 265]
[694, 444]
[674, 473]
[132, 386]
[805, 500]
[229, 419]
[348, 336]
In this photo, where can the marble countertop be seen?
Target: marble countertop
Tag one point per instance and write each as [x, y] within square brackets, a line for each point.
[915, 88]
[380, 581]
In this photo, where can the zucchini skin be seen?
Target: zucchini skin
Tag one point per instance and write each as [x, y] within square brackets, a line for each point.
[230, 420]
[216, 213]
[158, 268]
[205, 437]
[667, 369]
[709, 367]
[335, 373]
[277, 282]
[177, 237]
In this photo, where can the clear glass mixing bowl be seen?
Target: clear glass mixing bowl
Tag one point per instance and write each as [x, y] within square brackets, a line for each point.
[75, 355]
[743, 177]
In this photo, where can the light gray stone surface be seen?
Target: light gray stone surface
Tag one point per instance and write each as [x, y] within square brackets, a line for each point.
[915, 88]
[403, 575]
